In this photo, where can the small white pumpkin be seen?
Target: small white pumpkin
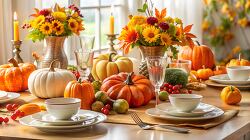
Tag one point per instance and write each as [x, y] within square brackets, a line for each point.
[49, 82]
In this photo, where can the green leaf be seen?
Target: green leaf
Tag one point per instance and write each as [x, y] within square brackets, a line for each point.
[140, 10]
[145, 7]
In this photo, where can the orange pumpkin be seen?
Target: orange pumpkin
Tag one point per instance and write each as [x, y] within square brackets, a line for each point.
[136, 89]
[220, 70]
[199, 55]
[230, 95]
[205, 73]
[82, 90]
[238, 62]
[14, 76]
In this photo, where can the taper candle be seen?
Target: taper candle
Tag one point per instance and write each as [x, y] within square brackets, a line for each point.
[16, 28]
[111, 21]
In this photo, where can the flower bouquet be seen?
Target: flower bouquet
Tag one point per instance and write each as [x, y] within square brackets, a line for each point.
[54, 25]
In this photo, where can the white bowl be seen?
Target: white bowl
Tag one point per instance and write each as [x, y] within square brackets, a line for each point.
[63, 108]
[185, 102]
[240, 73]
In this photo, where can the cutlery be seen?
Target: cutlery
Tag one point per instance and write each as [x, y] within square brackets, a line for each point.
[146, 126]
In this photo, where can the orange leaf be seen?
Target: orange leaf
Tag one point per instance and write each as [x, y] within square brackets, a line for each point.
[190, 42]
[157, 13]
[162, 14]
[37, 10]
[190, 35]
[187, 28]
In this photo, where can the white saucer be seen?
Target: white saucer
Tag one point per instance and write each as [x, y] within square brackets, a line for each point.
[11, 96]
[154, 112]
[3, 95]
[201, 110]
[45, 117]
[224, 79]
[29, 121]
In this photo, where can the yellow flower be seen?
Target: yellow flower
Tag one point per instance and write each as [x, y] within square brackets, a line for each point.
[37, 21]
[178, 21]
[169, 20]
[137, 20]
[46, 28]
[73, 25]
[61, 16]
[56, 23]
[165, 39]
[151, 34]
[59, 29]
[243, 22]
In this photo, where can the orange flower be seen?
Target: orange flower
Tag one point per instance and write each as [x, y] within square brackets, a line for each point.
[128, 37]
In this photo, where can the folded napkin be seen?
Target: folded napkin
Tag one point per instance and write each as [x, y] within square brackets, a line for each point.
[126, 119]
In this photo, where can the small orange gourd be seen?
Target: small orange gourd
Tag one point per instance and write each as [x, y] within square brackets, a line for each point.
[231, 95]
[29, 109]
[81, 90]
[205, 73]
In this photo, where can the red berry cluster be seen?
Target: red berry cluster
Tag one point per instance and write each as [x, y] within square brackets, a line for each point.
[174, 89]
[15, 113]
[105, 110]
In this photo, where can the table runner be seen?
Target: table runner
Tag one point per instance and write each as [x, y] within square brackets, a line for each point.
[126, 119]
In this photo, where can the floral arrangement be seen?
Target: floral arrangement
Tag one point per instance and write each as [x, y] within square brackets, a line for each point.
[58, 21]
[220, 18]
[157, 30]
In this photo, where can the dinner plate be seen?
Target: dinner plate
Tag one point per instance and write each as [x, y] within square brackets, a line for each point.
[224, 79]
[45, 117]
[29, 121]
[154, 112]
[215, 84]
[11, 96]
[201, 110]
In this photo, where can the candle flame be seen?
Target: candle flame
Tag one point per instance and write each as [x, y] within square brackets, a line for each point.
[112, 9]
[15, 16]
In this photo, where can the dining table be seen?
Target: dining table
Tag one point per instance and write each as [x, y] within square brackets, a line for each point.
[237, 128]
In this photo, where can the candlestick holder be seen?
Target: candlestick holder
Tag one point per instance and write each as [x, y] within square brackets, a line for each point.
[16, 51]
[111, 38]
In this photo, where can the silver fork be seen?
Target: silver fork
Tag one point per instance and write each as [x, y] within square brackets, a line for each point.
[145, 126]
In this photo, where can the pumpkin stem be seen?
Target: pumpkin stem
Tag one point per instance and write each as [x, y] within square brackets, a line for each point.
[51, 67]
[13, 61]
[129, 79]
[239, 56]
[79, 80]
[110, 56]
[197, 42]
[231, 88]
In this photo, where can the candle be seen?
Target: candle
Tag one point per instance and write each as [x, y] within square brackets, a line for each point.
[16, 28]
[111, 21]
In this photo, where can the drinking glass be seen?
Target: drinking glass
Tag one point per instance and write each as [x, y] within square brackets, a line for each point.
[156, 69]
[84, 61]
[87, 42]
[184, 65]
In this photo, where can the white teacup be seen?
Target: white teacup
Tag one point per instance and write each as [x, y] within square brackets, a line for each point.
[240, 73]
[63, 108]
[185, 102]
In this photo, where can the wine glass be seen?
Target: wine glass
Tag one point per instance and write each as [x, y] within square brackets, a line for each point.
[184, 65]
[84, 61]
[156, 69]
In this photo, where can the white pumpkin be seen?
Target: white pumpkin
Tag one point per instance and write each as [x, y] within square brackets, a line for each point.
[49, 82]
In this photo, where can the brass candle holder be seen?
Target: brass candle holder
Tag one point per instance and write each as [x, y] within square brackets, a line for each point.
[16, 51]
[111, 38]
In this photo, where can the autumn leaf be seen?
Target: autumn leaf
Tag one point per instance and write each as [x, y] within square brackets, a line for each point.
[187, 28]
[162, 14]
[190, 35]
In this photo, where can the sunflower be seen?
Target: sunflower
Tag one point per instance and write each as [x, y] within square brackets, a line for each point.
[128, 37]
[165, 39]
[137, 20]
[73, 25]
[37, 21]
[46, 28]
[151, 34]
[59, 29]
[56, 23]
[61, 16]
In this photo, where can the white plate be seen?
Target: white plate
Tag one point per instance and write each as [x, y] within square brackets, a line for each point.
[11, 96]
[162, 115]
[45, 117]
[29, 121]
[201, 110]
[224, 79]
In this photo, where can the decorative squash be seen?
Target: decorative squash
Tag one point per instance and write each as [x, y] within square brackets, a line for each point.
[238, 62]
[105, 65]
[29, 109]
[205, 73]
[231, 95]
[49, 82]
[14, 76]
[136, 89]
[199, 55]
[82, 90]
[220, 70]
